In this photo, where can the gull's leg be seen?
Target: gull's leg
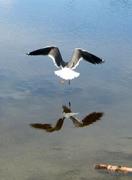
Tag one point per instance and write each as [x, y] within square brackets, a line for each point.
[69, 104]
[69, 82]
[62, 81]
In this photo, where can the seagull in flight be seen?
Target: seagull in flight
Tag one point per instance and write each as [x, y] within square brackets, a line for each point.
[66, 71]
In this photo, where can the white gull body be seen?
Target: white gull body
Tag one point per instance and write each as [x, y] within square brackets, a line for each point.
[67, 73]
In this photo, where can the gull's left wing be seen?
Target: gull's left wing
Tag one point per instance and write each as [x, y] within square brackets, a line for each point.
[80, 54]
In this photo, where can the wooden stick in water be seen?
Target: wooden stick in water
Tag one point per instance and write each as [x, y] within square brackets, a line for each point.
[114, 168]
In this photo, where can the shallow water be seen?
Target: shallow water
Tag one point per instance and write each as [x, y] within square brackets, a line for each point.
[30, 93]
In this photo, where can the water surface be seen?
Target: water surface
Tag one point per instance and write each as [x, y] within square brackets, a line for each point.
[30, 93]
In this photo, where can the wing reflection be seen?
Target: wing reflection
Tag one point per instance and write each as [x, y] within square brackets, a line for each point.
[49, 127]
[86, 121]
[66, 109]
[69, 114]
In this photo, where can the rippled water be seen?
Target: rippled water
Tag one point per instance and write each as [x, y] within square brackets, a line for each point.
[30, 93]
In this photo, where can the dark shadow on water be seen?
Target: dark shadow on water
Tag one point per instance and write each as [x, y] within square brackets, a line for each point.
[119, 155]
[67, 113]
[127, 137]
[120, 3]
[114, 175]
[14, 88]
[42, 86]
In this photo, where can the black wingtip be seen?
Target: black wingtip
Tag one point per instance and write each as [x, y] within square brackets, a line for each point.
[30, 53]
[98, 61]
[103, 61]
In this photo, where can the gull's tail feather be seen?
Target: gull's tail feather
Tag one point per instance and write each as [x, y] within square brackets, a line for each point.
[67, 74]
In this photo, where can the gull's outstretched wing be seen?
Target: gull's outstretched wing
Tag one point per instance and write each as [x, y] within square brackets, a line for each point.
[52, 52]
[89, 119]
[49, 127]
[79, 54]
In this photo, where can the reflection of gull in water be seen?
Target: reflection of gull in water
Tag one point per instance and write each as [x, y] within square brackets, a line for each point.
[86, 121]
[66, 71]
[49, 127]
[67, 113]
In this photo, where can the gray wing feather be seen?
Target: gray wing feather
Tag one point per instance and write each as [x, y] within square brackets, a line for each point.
[80, 54]
[52, 52]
